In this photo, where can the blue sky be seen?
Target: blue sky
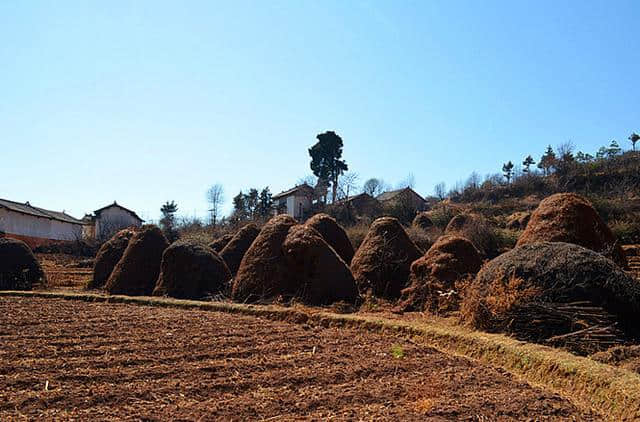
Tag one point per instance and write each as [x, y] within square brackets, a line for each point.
[144, 102]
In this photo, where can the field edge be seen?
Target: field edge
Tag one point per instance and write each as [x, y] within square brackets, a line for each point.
[612, 392]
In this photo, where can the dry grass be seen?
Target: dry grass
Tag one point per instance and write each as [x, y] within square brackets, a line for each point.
[612, 392]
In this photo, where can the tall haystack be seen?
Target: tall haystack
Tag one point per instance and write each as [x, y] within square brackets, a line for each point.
[477, 229]
[137, 271]
[333, 234]
[381, 263]
[218, 244]
[190, 270]
[552, 289]
[433, 277]
[19, 268]
[263, 272]
[233, 252]
[567, 217]
[320, 276]
[108, 256]
[423, 220]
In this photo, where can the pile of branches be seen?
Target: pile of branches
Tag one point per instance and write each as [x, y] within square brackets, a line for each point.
[579, 327]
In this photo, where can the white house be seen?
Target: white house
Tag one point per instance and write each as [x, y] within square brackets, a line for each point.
[295, 201]
[37, 226]
[104, 222]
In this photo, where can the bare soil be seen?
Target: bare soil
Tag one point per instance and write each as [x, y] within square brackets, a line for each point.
[62, 271]
[95, 361]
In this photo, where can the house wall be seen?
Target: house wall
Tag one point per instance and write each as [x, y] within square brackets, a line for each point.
[30, 226]
[113, 219]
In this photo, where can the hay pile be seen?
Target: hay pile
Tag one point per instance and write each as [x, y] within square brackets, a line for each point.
[333, 234]
[423, 221]
[219, 244]
[19, 268]
[433, 277]
[567, 217]
[477, 229]
[108, 256]
[191, 271]
[518, 220]
[263, 272]
[555, 292]
[137, 271]
[381, 264]
[233, 252]
[320, 276]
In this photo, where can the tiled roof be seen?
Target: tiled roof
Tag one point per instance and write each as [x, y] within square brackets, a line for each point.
[303, 186]
[29, 209]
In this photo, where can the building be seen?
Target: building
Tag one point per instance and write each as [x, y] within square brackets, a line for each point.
[295, 202]
[362, 204]
[407, 198]
[37, 226]
[106, 221]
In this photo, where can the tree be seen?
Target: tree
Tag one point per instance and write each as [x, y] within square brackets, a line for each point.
[602, 153]
[440, 190]
[373, 187]
[507, 171]
[407, 182]
[168, 220]
[566, 160]
[215, 197]
[614, 149]
[348, 185]
[527, 163]
[239, 207]
[583, 158]
[547, 161]
[634, 137]
[265, 203]
[326, 161]
[251, 202]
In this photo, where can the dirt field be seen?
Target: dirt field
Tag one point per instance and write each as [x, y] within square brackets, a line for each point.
[67, 359]
[65, 271]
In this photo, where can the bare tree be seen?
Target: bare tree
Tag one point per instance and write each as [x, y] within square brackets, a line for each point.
[373, 187]
[309, 179]
[215, 197]
[407, 182]
[347, 185]
[440, 190]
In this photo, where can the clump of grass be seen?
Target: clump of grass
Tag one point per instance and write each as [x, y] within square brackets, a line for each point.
[397, 351]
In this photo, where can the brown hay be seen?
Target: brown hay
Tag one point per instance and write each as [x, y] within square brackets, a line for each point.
[547, 289]
[263, 272]
[433, 277]
[137, 271]
[477, 229]
[570, 218]
[320, 276]
[19, 268]
[518, 220]
[333, 234]
[233, 252]
[190, 270]
[108, 256]
[423, 221]
[219, 244]
[382, 262]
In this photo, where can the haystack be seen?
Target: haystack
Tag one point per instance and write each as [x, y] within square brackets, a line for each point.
[108, 256]
[547, 291]
[567, 217]
[333, 234]
[219, 244]
[263, 272]
[381, 264]
[236, 248]
[423, 220]
[19, 268]
[477, 229]
[137, 271]
[518, 220]
[190, 270]
[433, 277]
[320, 276]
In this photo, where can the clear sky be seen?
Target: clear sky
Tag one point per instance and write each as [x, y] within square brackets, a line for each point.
[144, 102]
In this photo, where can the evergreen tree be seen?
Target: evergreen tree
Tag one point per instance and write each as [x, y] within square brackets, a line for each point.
[527, 163]
[507, 170]
[239, 207]
[251, 203]
[265, 203]
[602, 153]
[634, 137]
[614, 149]
[168, 220]
[547, 161]
[326, 161]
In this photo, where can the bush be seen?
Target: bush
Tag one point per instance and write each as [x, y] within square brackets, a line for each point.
[423, 239]
[357, 233]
